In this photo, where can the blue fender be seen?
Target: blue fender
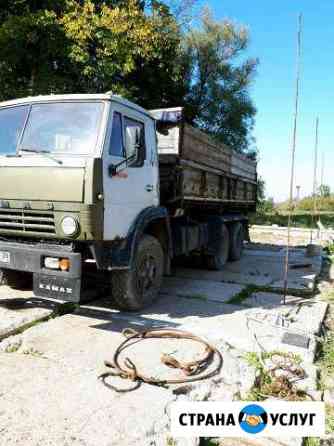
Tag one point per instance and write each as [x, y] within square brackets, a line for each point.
[122, 254]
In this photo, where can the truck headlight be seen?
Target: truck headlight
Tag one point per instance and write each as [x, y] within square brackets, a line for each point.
[69, 226]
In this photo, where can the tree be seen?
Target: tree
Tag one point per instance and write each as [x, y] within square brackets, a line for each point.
[142, 49]
[86, 46]
[31, 49]
[160, 80]
[324, 190]
[261, 186]
[218, 98]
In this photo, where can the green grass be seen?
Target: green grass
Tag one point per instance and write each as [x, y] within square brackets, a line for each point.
[193, 296]
[207, 442]
[300, 219]
[266, 385]
[326, 357]
[327, 354]
[239, 298]
[311, 441]
[170, 442]
[330, 251]
[329, 419]
[243, 295]
[328, 295]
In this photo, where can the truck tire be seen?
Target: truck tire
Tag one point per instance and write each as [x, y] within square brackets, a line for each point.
[237, 235]
[139, 287]
[218, 260]
[15, 279]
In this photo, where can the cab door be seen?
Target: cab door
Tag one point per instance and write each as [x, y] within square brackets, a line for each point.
[130, 169]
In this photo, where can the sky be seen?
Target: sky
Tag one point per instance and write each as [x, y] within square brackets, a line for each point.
[273, 36]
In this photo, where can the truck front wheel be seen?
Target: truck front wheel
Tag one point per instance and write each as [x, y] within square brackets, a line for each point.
[138, 287]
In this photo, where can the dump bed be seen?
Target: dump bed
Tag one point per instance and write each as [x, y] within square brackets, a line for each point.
[195, 170]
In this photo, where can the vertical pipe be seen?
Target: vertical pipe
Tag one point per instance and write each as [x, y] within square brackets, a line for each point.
[322, 168]
[293, 151]
[315, 175]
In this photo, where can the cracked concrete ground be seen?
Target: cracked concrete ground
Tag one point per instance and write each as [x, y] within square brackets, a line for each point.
[49, 383]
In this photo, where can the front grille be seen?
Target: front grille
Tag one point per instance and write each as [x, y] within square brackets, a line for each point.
[26, 221]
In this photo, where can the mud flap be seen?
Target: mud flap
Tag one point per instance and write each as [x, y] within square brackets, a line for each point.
[57, 287]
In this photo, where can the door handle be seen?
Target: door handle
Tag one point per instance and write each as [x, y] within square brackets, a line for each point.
[149, 187]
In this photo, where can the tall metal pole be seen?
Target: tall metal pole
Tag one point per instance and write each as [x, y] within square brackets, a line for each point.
[315, 174]
[322, 168]
[293, 151]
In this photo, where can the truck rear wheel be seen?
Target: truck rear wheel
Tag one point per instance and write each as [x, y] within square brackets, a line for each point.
[218, 260]
[15, 279]
[139, 287]
[237, 235]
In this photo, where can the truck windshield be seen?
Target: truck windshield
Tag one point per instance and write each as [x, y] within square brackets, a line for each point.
[68, 127]
[12, 120]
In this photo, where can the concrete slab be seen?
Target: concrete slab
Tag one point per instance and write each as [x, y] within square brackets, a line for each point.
[225, 276]
[309, 316]
[200, 289]
[248, 329]
[272, 300]
[19, 309]
[264, 268]
[61, 401]
[305, 315]
[255, 330]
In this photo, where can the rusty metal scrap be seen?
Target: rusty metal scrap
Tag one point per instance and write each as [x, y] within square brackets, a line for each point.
[193, 371]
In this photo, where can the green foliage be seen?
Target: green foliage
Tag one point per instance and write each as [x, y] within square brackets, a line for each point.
[31, 49]
[84, 46]
[330, 249]
[266, 205]
[218, 99]
[324, 190]
[299, 219]
[322, 203]
[311, 441]
[327, 355]
[329, 419]
[243, 295]
[144, 50]
[268, 384]
[261, 187]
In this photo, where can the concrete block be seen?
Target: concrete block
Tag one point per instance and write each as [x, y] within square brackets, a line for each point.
[200, 289]
[19, 309]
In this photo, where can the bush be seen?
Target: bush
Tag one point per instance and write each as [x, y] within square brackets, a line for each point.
[298, 219]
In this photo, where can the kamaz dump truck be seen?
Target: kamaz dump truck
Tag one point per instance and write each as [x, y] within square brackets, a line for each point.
[94, 186]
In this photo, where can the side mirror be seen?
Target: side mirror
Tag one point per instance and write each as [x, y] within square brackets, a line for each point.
[114, 169]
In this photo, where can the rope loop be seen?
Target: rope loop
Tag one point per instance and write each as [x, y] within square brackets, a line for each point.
[193, 371]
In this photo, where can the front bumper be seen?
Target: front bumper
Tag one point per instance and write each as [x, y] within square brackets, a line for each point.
[64, 285]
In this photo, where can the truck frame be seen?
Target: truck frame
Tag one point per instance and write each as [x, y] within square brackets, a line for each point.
[97, 190]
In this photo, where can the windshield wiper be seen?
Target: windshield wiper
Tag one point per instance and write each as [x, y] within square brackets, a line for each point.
[47, 153]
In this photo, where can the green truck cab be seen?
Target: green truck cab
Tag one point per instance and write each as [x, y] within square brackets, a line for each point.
[83, 187]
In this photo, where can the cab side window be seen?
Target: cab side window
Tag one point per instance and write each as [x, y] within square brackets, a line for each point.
[135, 147]
[116, 145]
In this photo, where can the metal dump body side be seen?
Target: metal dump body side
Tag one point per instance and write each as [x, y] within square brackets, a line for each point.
[197, 171]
